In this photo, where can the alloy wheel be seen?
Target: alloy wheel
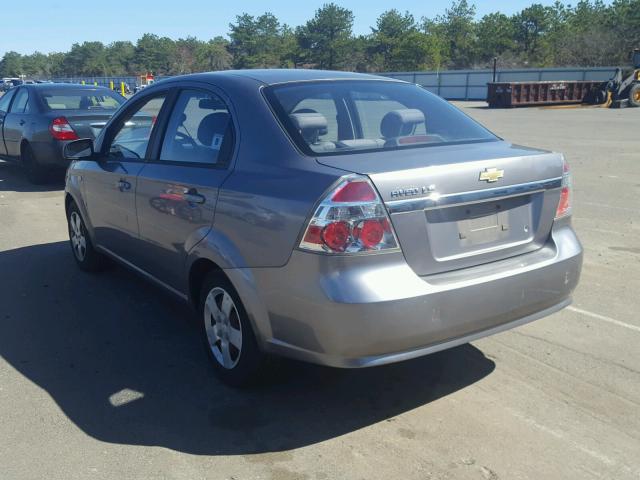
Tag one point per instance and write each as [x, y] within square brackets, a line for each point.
[78, 237]
[223, 327]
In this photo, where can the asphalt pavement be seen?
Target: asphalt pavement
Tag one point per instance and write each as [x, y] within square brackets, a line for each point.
[103, 377]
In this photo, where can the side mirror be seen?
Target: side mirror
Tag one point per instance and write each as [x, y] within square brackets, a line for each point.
[78, 149]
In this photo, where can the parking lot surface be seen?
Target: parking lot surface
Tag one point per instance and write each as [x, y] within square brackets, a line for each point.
[102, 376]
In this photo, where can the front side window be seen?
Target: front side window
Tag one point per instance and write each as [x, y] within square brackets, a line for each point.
[199, 130]
[20, 102]
[133, 132]
[334, 117]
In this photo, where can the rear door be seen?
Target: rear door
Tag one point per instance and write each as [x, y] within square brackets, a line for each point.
[5, 103]
[16, 121]
[110, 182]
[178, 189]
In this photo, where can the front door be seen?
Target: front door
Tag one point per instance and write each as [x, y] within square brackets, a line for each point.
[177, 192]
[110, 181]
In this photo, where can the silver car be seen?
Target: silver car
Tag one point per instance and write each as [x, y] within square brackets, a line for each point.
[336, 218]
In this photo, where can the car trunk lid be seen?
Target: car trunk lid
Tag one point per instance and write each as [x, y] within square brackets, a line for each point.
[86, 124]
[457, 206]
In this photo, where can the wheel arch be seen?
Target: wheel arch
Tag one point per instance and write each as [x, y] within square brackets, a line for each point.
[244, 284]
[70, 198]
[198, 271]
[24, 143]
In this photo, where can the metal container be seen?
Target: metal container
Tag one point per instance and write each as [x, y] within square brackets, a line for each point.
[514, 94]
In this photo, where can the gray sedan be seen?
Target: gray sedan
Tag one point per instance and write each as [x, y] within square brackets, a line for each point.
[335, 218]
[37, 120]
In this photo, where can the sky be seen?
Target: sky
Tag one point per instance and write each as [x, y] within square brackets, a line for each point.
[50, 26]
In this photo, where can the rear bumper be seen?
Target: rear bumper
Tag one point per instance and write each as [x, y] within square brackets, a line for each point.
[371, 310]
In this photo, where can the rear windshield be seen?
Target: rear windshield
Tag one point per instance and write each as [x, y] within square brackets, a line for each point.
[80, 100]
[333, 117]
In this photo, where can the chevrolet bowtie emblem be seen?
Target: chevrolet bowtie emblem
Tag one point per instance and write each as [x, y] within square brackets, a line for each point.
[491, 175]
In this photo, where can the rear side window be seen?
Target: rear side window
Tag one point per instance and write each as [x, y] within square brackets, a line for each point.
[20, 102]
[199, 130]
[80, 100]
[335, 117]
[5, 100]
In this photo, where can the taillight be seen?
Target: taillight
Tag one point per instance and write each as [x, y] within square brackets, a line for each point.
[564, 205]
[60, 129]
[350, 219]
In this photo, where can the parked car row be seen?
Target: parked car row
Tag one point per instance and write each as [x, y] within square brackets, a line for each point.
[335, 218]
[8, 83]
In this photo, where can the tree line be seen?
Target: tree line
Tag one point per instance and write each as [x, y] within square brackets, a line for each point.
[591, 33]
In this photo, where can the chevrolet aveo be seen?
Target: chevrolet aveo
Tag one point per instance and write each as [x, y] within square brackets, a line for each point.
[337, 218]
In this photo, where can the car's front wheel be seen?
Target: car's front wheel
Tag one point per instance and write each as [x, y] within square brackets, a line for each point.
[84, 253]
[227, 333]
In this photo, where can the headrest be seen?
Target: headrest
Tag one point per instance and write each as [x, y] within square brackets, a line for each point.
[212, 124]
[309, 121]
[397, 123]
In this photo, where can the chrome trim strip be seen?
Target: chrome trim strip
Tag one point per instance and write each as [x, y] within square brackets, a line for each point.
[434, 200]
[142, 272]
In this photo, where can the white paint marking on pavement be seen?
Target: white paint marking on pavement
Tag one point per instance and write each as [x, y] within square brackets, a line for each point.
[561, 436]
[604, 319]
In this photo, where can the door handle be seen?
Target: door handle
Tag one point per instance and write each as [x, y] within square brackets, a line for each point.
[192, 196]
[22, 122]
[123, 185]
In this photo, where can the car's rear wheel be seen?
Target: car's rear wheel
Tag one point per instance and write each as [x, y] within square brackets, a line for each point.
[36, 173]
[84, 253]
[227, 333]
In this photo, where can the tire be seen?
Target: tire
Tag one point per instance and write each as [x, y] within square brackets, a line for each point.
[228, 338]
[85, 255]
[634, 95]
[36, 173]
[600, 97]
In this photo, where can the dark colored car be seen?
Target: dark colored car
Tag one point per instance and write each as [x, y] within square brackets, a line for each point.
[338, 218]
[36, 121]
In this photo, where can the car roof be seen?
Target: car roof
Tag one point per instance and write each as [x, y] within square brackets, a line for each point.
[275, 75]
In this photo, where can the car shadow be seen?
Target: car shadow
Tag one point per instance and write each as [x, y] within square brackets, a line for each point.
[123, 361]
[13, 179]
